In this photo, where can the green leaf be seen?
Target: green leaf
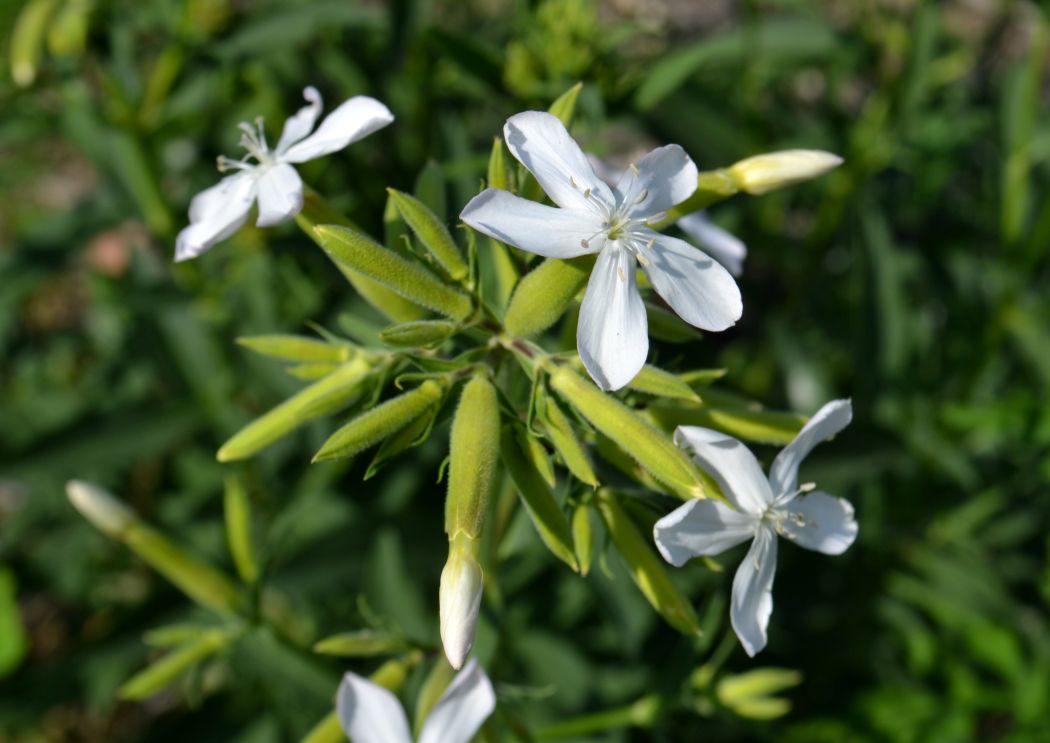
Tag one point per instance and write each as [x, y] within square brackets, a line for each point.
[373, 426]
[538, 455]
[559, 429]
[753, 424]
[361, 644]
[648, 570]
[546, 514]
[414, 434]
[498, 173]
[432, 232]
[170, 667]
[27, 40]
[410, 280]
[326, 396]
[239, 529]
[295, 348]
[655, 381]
[418, 334]
[14, 643]
[564, 105]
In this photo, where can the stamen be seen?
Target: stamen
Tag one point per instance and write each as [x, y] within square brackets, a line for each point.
[641, 197]
[573, 183]
[642, 259]
[807, 487]
[649, 245]
[634, 169]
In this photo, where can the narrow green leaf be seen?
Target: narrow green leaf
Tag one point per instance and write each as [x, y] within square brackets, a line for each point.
[239, 529]
[432, 232]
[174, 634]
[762, 426]
[167, 670]
[538, 455]
[564, 105]
[559, 428]
[413, 434]
[326, 396]
[410, 280]
[547, 516]
[655, 381]
[14, 643]
[435, 685]
[702, 377]
[544, 294]
[360, 644]
[27, 40]
[583, 536]
[648, 571]
[295, 348]
[498, 173]
[375, 425]
[311, 372]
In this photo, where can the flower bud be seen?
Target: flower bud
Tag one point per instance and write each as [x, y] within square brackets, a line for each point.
[459, 600]
[772, 170]
[109, 515]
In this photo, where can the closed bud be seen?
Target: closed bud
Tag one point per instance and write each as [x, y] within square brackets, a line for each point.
[460, 599]
[418, 333]
[473, 453]
[542, 297]
[431, 232]
[763, 173]
[109, 515]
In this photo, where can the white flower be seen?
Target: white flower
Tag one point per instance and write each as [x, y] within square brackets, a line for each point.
[459, 602]
[724, 247]
[218, 212]
[612, 335]
[762, 508]
[369, 713]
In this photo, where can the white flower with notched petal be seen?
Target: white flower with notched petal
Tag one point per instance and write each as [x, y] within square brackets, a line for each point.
[762, 508]
[369, 713]
[612, 335]
[218, 212]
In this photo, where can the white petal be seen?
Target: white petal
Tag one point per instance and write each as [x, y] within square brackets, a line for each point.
[820, 522]
[825, 423]
[698, 289]
[723, 246]
[612, 336]
[537, 228]
[752, 600]
[459, 599]
[216, 214]
[663, 178]
[302, 122]
[280, 195]
[369, 713]
[354, 119]
[541, 143]
[468, 702]
[731, 464]
[701, 527]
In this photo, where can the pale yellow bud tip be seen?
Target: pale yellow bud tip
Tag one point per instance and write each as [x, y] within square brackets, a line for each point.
[99, 507]
[459, 601]
[763, 173]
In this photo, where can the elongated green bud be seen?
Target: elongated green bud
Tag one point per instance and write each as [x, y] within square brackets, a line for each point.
[375, 425]
[646, 567]
[295, 348]
[473, 452]
[583, 536]
[417, 334]
[655, 381]
[27, 40]
[650, 447]
[317, 211]
[410, 280]
[565, 442]
[459, 599]
[542, 297]
[201, 582]
[772, 170]
[360, 644]
[239, 529]
[432, 232]
[165, 671]
[545, 512]
[325, 396]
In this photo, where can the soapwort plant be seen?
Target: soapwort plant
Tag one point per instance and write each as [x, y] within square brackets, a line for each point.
[579, 435]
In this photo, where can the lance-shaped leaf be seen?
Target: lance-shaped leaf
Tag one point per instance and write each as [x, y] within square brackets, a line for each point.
[316, 211]
[432, 232]
[410, 280]
[418, 333]
[564, 106]
[170, 667]
[546, 514]
[296, 348]
[759, 425]
[652, 449]
[751, 694]
[239, 529]
[373, 426]
[413, 434]
[361, 644]
[498, 175]
[646, 567]
[325, 396]
[655, 381]
[198, 580]
[559, 429]
[14, 641]
[538, 456]
[542, 297]
[473, 453]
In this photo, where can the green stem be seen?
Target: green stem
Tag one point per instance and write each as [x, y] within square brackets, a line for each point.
[642, 713]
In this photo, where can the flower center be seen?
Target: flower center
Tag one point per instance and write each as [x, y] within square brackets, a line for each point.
[253, 139]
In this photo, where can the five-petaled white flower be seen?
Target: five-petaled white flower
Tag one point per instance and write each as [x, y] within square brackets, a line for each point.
[369, 713]
[762, 508]
[219, 211]
[612, 335]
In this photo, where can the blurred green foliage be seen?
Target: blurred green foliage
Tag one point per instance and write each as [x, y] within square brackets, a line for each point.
[914, 278]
